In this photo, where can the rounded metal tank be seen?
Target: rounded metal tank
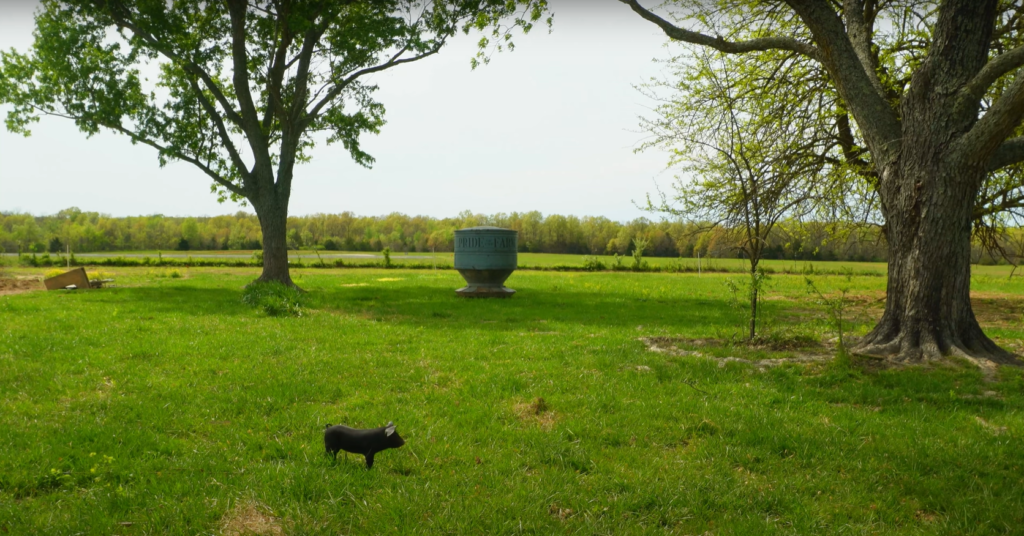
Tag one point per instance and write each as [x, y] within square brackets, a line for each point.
[486, 256]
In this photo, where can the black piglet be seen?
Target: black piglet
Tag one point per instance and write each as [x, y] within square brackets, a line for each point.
[366, 442]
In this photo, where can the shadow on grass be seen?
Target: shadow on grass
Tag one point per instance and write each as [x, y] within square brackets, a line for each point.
[430, 306]
[186, 300]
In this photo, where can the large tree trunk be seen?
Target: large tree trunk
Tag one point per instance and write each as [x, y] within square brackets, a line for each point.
[928, 197]
[273, 216]
[928, 189]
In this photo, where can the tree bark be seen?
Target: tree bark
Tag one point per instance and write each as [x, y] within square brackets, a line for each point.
[273, 216]
[928, 198]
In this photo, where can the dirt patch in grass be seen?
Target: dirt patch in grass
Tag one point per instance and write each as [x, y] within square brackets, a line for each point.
[990, 428]
[806, 350]
[866, 307]
[807, 353]
[998, 310]
[992, 309]
[558, 512]
[688, 346]
[250, 519]
[536, 412]
[20, 285]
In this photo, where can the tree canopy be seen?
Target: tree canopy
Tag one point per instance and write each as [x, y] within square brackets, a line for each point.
[240, 89]
[923, 100]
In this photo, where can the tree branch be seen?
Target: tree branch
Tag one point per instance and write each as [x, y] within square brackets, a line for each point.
[974, 91]
[859, 31]
[222, 132]
[232, 187]
[292, 124]
[717, 43]
[998, 203]
[340, 86]
[305, 57]
[876, 119]
[1009, 152]
[275, 73]
[187, 65]
[1002, 118]
[250, 122]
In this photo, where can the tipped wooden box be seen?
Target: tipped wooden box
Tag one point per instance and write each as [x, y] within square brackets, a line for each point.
[75, 277]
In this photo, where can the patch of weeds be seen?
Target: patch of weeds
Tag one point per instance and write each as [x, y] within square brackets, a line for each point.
[52, 273]
[320, 261]
[592, 264]
[782, 340]
[749, 295]
[640, 243]
[274, 298]
[618, 262]
[704, 428]
[536, 412]
[835, 305]
[251, 518]
[568, 455]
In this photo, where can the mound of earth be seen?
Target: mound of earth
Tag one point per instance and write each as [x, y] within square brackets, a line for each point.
[18, 285]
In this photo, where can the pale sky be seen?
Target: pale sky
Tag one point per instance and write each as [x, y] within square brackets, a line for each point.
[551, 127]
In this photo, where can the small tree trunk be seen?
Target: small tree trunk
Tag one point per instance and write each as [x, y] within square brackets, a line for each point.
[928, 311]
[753, 304]
[273, 218]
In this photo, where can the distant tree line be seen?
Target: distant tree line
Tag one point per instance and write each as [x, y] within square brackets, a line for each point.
[588, 235]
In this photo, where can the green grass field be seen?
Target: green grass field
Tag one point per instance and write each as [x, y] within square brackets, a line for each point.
[529, 261]
[167, 406]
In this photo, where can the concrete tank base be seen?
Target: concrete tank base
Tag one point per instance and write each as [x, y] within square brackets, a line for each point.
[485, 284]
[485, 292]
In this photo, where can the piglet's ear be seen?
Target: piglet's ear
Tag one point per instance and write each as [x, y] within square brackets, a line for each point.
[389, 429]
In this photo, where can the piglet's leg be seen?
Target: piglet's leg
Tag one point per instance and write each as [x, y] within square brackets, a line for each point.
[369, 460]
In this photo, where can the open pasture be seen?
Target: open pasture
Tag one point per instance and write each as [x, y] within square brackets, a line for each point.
[526, 261]
[167, 406]
[542, 261]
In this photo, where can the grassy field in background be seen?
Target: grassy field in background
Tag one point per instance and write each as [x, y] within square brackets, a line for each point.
[532, 260]
[166, 406]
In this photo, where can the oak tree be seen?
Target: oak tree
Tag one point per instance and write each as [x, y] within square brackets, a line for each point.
[241, 89]
[936, 97]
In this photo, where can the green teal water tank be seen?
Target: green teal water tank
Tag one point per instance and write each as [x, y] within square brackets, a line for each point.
[486, 256]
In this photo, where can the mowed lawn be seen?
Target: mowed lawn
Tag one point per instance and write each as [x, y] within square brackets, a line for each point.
[167, 406]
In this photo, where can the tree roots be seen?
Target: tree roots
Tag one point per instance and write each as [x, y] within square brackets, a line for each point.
[909, 348]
